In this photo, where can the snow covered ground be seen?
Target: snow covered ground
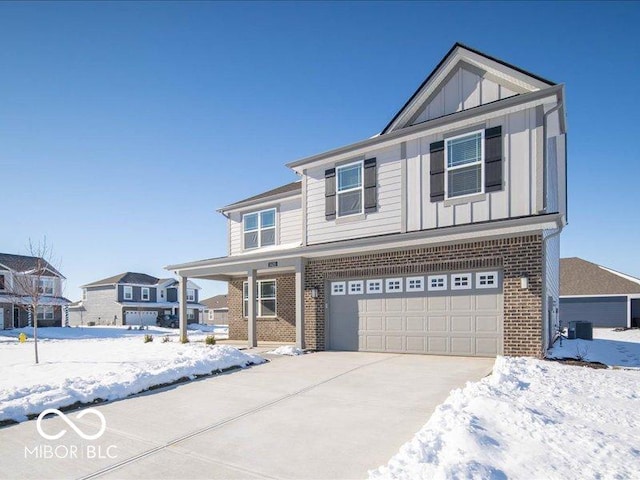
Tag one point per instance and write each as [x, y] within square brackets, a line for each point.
[530, 419]
[287, 350]
[84, 364]
[612, 348]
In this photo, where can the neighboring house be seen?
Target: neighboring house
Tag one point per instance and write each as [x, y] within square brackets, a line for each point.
[14, 304]
[597, 294]
[216, 311]
[438, 235]
[132, 299]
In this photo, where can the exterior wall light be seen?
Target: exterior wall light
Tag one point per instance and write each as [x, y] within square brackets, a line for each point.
[314, 292]
[524, 281]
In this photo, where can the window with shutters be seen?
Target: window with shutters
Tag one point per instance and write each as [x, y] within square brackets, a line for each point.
[464, 160]
[259, 229]
[350, 191]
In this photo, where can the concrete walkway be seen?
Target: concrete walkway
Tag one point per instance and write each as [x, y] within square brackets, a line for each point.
[325, 415]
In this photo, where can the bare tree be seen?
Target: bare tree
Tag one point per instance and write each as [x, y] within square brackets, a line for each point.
[31, 281]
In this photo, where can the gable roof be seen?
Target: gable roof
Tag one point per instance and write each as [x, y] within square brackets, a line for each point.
[23, 263]
[580, 277]
[282, 191]
[126, 278]
[456, 47]
[215, 303]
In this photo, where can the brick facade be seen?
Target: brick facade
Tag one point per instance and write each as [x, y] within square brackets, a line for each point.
[282, 328]
[515, 256]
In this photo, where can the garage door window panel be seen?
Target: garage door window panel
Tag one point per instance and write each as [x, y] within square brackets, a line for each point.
[437, 283]
[356, 287]
[487, 280]
[393, 285]
[374, 286]
[338, 288]
[461, 281]
[415, 284]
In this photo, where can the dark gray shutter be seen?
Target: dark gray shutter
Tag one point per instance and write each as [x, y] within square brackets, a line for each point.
[436, 153]
[370, 185]
[493, 159]
[330, 194]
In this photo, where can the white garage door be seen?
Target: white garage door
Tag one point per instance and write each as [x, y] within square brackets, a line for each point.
[141, 318]
[448, 314]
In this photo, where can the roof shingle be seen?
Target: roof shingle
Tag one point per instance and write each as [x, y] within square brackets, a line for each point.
[22, 263]
[292, 188]
[580, 277]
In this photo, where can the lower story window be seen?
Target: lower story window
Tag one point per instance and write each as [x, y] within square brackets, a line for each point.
[45, 312]
[191, 314]
[266, 298]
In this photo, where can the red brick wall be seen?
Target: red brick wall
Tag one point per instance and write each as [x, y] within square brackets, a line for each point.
[515, 256]
[279, 329]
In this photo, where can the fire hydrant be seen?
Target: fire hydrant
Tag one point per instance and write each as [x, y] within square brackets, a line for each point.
[22, 337]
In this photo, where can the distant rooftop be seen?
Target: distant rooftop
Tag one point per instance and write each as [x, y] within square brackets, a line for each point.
[293, 187]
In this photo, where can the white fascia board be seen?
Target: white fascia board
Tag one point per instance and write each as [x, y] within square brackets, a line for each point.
[259, 203]
[599, 295]
[622, 275]
[432, 237]
[452, 121]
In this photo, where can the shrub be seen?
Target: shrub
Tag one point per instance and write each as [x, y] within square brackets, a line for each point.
[129, 327]
[91, 324]
[166, 339]
[210, 340]
[148, 338]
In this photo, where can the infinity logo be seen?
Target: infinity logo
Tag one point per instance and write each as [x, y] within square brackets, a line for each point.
[81, 434]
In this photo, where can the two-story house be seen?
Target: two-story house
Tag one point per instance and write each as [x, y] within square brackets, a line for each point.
[439, 235]
[20, 275]
[133, 299]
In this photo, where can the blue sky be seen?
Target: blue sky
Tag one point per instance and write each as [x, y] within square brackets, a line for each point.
[123, 126]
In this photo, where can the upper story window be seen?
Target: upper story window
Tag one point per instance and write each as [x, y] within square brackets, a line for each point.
[84, 294]
[144, 294]
[127, 292]
[191, 295]
[464, 164]
[259, 229]
[45, 285]
[350, 192]
[2, 282]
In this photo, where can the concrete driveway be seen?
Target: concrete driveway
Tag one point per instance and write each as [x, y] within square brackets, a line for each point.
[322, 415]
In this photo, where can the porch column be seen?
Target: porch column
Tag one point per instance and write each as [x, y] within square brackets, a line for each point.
[300, 303]
[182, 298]
[251, 309]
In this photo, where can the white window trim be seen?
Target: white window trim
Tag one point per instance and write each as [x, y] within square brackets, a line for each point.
[466, 165]
[42, 285]
[46, 309]
[142, 290]
[495, 276]
[432, 288]
[353, 189]
[127, 289]
[191, 297]
[461, 287]
[259, 297]
[334, 285]
[353, 283]
[259, 228]
[371, 283]
[393, 290]
[415, 289]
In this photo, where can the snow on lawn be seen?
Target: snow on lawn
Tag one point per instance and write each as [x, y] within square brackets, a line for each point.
[287, 350]
[608, 346]
[530, 419]
[83, 370]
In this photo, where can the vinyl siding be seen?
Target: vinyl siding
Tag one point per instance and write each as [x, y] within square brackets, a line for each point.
[386, 219]
[601, 311]
[521, 156]
[288, 224]
[464, 90]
